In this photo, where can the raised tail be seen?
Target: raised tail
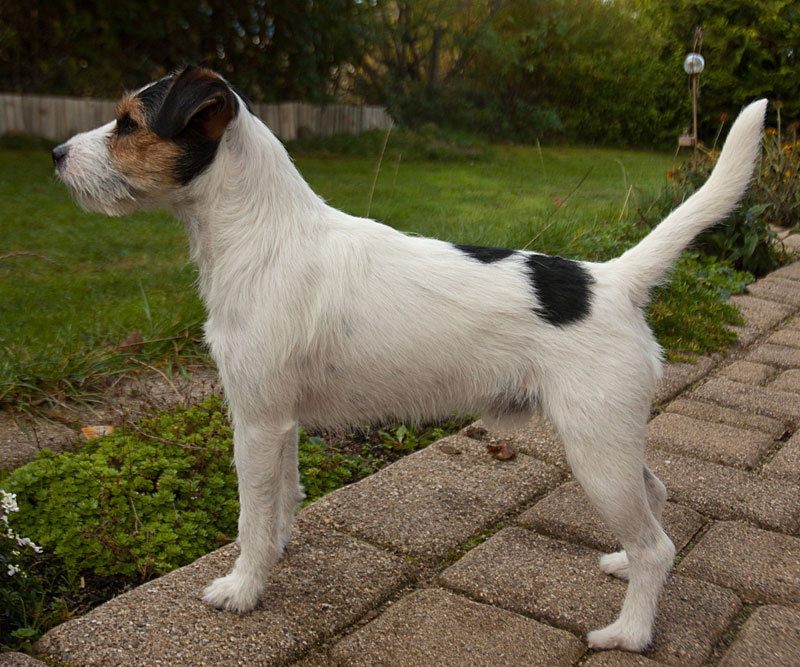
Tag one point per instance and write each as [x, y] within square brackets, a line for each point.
[646, 265]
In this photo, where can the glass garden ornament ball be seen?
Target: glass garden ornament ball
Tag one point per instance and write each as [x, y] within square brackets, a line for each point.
[694, 63]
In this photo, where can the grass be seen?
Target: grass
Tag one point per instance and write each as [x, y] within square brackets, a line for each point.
[74, 285]
[504, 199]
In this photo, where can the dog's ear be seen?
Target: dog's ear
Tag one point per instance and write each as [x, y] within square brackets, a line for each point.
[197, 100]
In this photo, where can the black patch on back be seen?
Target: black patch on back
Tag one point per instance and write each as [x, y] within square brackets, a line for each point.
[562, 287]
[485, 255]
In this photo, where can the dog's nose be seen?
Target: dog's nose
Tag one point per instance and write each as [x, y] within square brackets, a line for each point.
[59, 153]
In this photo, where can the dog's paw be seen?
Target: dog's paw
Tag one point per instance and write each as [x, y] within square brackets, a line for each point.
[615, 564]
[233, 593]
[619, 636]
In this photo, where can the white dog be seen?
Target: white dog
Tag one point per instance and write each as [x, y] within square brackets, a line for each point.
[304, 303]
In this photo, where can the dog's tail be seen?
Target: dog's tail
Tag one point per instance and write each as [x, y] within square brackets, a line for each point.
[645, 265]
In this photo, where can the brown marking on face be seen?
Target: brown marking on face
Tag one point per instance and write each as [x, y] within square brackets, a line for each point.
[147, 160]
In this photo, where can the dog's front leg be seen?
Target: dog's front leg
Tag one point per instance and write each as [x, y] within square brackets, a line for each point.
[266, 464]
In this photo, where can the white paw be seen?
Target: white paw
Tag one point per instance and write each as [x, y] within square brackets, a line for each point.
[232, 592]
[618, 636]
[615, 564]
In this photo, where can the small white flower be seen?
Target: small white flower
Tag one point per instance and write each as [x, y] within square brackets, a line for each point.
[12, 569]
[8, 501]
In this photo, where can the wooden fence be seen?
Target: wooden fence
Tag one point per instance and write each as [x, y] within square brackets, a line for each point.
[58, 118]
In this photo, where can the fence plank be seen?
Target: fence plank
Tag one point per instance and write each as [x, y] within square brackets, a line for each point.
[58, 118]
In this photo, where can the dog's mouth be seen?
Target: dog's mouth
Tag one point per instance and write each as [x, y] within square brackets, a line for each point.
[95, 185]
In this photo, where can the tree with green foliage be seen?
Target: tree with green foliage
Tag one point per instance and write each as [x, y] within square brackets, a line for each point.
[751, 49]
[276, 50]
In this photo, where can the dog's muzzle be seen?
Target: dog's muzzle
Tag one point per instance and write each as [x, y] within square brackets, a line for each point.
[59, 153]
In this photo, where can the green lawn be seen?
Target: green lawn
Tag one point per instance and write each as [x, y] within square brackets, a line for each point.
[91, 280]
[505, 199]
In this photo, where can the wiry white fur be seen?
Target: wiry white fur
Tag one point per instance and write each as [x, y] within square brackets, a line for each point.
[96, 183]
[324, 318]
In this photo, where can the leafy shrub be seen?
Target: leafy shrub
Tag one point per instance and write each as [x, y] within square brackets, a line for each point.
[777, 182]
[745, 237]
[746, 240]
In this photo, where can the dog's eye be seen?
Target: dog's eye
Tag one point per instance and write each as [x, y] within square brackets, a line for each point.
[126, 125]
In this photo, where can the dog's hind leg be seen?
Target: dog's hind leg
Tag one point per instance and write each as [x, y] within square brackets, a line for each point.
[260, 452]
[607, 458]
[616, 563]
[292, 493]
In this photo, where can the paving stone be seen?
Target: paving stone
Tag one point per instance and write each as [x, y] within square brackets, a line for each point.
[787, 381]
[760, 314]
[744, 336]
[771, 636]
[790, 271]
[620, 659]
[781, 356]
[326, 581]
[728, 493]
[538, 438]
[781, 405]
[718, 443]
[19, 660]
[678, 376]
[785, 336]
[560, 583]
[786, 462]
[721, 415]
[434, 627]
[776, 289]
[431, 501]
[747, 372]
[760, 565]
[566, 513]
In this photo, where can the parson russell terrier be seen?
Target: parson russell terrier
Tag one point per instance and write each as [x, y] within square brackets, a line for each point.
[303, 304]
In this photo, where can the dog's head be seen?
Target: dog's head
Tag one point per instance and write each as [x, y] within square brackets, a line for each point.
[164, 135]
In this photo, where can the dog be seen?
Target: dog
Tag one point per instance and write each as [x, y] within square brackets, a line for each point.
[304, 302]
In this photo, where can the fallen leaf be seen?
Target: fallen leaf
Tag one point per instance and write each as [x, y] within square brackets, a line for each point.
[92, 432]
[502, 451]
[133, 343]
[449, 448]
[476, 432]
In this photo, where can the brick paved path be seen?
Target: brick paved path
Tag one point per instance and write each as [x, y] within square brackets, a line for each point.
[450, 557]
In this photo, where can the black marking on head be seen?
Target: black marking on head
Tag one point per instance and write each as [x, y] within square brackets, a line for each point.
[562, 288]
[152, 97]
[126, 125]
[485, 255]
[193, 112]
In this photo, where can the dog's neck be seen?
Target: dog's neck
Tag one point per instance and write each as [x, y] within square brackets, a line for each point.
[251, 196]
